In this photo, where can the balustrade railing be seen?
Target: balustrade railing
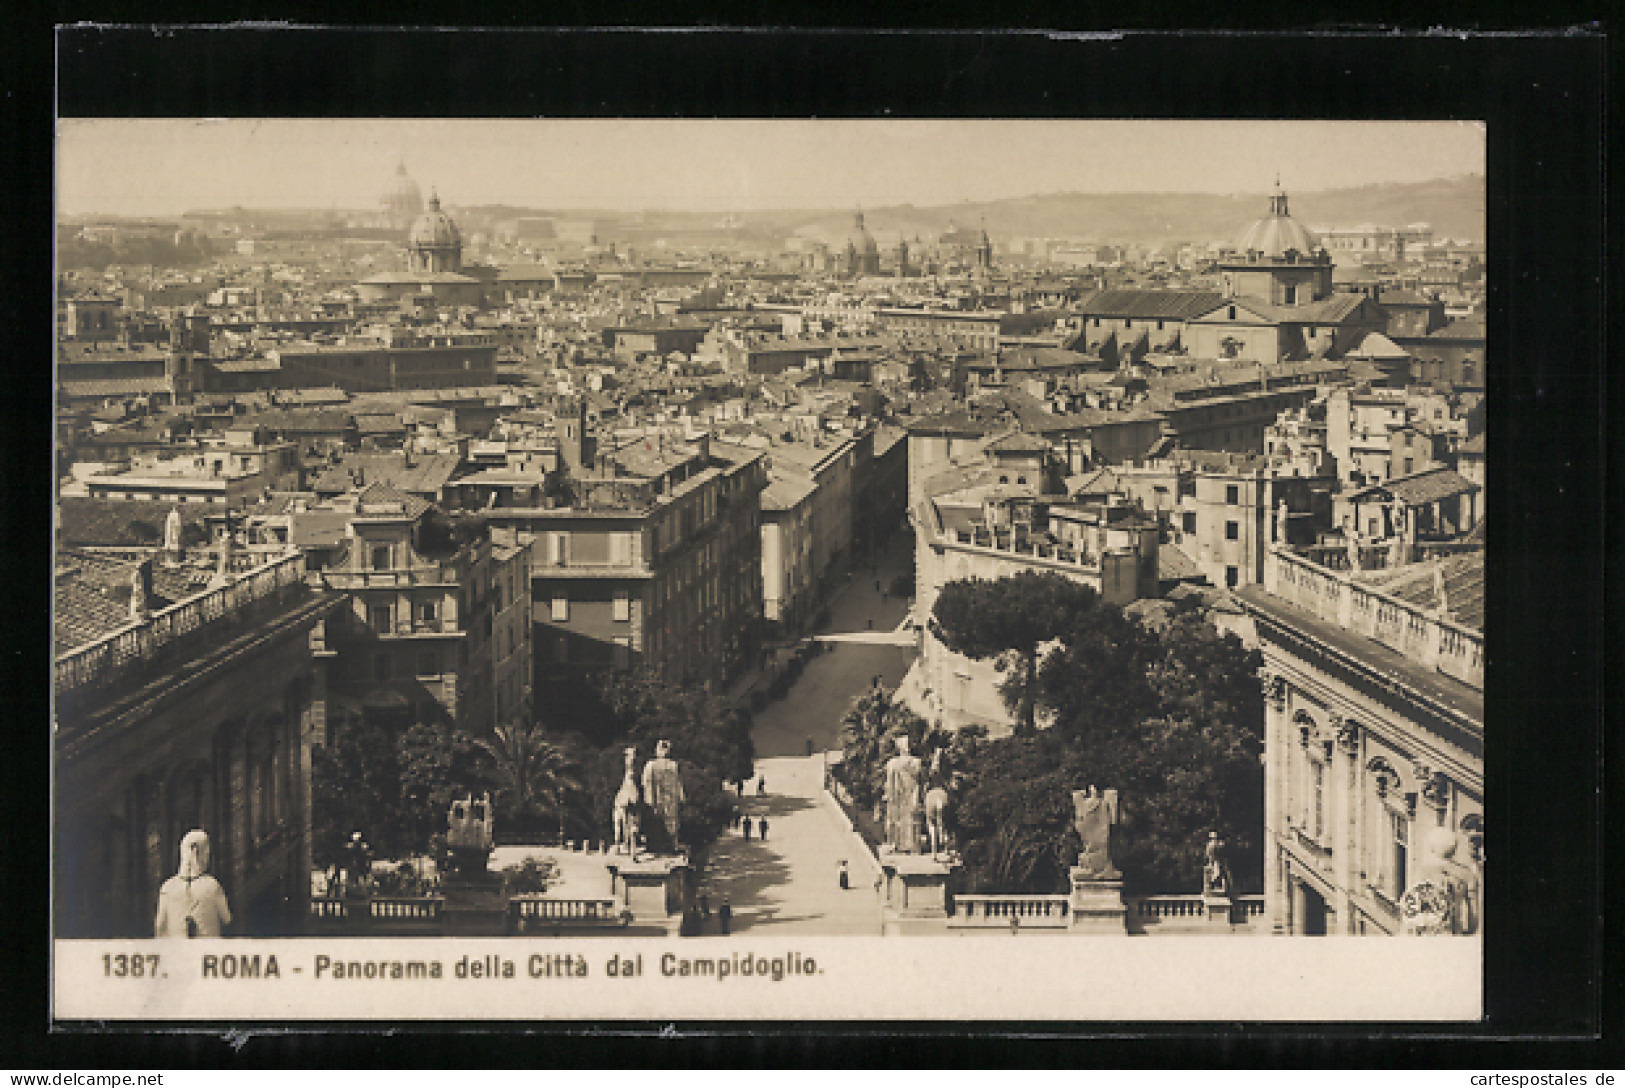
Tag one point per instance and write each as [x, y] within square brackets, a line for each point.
[108, 658]
[1024, 911]
[538, 908]
[1176, 909]
[414, 909]
[1428, 639]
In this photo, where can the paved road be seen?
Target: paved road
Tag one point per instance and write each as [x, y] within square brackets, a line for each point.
[791, 880]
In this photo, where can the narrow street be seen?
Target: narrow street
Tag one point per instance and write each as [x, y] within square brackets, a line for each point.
[791, 879]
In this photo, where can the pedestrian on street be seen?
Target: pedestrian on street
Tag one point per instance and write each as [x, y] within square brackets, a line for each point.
[761, 786]
[762, 822]
[846, 876]
[809, 746]
[725, 916]
[747, 828]
[877, 585]
[740, 786]
[705, 907]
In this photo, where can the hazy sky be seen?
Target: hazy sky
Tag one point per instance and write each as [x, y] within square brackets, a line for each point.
[164, 167]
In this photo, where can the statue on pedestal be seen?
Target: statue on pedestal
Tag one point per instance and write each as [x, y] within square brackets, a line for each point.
[1443, 900]
[469, 835]
[902, 797]
[663, 788]
[1095, 813]
[626, 808]
[1216, 868]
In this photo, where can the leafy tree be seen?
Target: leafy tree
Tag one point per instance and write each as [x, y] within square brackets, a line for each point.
[867, 731]
[710, 742]
[982, 618]
[355, 786]
[435, 764]
[529, 772]
[1171, 718]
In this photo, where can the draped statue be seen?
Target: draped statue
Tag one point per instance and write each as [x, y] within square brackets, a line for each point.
[663, 788]
[191, 903]
[1095, 814]
[902, 797]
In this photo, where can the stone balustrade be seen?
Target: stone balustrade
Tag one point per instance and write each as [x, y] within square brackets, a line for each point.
[104, 660]
[1009, 911]
[538, 908]
[1449, 647]
[1171, 913]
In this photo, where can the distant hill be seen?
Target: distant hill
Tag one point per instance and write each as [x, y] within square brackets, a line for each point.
[1453, 206]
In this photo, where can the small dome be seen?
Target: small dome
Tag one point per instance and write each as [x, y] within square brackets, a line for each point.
[434, 228]
[403, 197]
[1277, 233]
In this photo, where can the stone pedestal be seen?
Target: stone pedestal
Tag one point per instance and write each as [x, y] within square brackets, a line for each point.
[474, 906]
[1097, 903]
[652, 887]
[1219, 910]
[916, 890]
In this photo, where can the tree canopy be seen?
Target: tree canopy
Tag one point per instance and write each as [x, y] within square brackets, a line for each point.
[982, 618]
[1170, 717]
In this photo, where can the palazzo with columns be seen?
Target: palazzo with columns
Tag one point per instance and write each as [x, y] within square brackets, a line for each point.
[201, 715]
[1374, 725]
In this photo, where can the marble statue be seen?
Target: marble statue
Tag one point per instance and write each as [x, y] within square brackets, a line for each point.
[191, 903]
[172, 531]
[1095, 813]
[663, 788]
[1443, 899]
[902, 796]
[1351, 539]
[626, 808]
[1280, 522]
[1216, 867]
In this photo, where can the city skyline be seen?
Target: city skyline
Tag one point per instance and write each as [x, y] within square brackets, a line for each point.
[173, 166]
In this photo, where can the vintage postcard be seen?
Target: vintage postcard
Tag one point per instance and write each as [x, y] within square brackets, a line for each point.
[793, 570]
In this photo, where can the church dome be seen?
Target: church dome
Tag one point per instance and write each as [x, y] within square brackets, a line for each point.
[435, 228]
[403, 199]
[1276, 233]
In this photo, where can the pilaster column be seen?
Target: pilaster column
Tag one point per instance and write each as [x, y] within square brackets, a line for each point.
[1277, 769]
[1346, 847]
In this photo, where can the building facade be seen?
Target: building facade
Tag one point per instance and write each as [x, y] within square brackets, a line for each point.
[1374, 733]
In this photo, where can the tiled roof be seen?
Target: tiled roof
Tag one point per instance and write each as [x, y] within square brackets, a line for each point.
[93, 594]
[113, 387]
[1018, 442]
[1176, 305]
[1374, 345]
[1421, 488]
[426, 477]
[1462, 328]
[309, 421]
[377, 497]
[1462, 577]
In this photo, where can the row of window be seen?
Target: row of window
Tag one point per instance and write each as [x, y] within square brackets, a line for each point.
[620, 606]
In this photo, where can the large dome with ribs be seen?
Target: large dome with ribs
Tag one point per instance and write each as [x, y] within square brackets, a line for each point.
[434, 227]
[1277, 233]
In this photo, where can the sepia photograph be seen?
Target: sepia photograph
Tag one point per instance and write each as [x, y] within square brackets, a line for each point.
[609, 567]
